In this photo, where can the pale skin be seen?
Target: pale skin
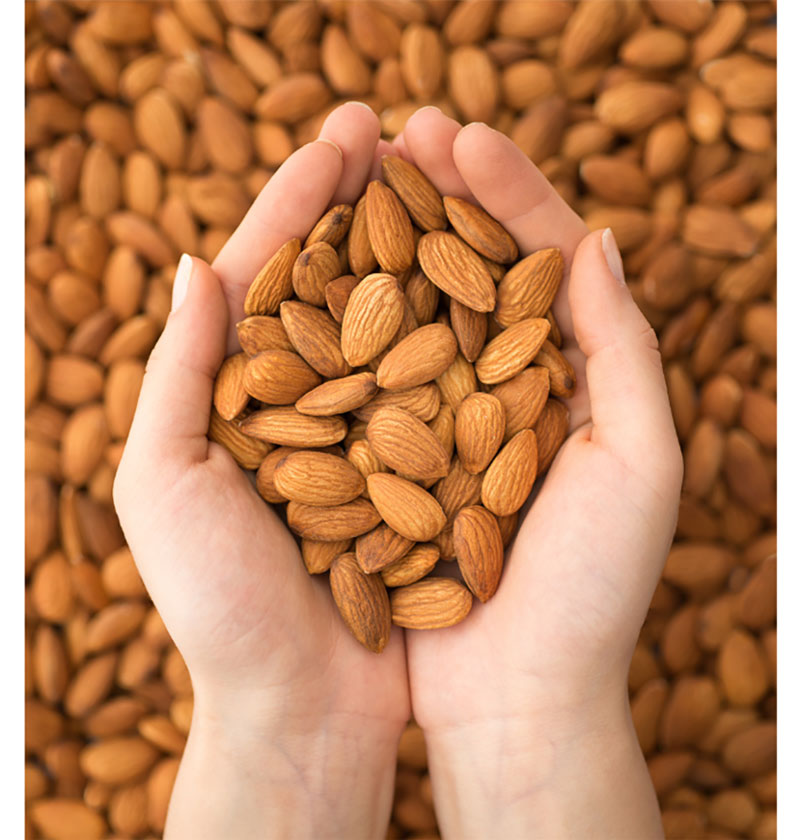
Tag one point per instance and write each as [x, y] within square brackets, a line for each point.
[524, 705]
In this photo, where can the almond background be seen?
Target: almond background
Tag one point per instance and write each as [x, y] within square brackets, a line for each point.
[149, 129]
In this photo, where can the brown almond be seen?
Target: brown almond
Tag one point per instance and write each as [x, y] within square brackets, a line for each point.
[230, 396]
[430, 604]
[509, 478]
[316, 337]
[457, 270]
[479, 550]
[278, 377]
[360, 255]
[337, 293]
[313, 269]
[362, 601]
[246, 451]
[389, 228]
[551, 429]
[529, 287]
[262, 332]
[419, 196]
[378, 548]
[406, 507]
[273, 283]
[339, 522]
[562, 374]
[285, 426]
[318, 554]
[405, 444]
[332, 227]
[479, 428]
[420, 357]
[373, 315]
[338, 396]
[423, 402]
[511, 351]
[480, 231]
[412, 566]
[317, 478]
[470, 328]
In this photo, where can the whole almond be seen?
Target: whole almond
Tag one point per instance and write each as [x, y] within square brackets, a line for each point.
[423, 297]
[265, 483]
[230, 396]
[285, 426]
[332, 227]
[457, 381]
[338, 522]
[337, 293]
[318, 554]
[457, 270]
[479, 428]
[479, 550]
[551, 430]
[389, 228]
[278, 377]
[423, 402]
[480, 231]
[246, 451]
[316, 337]
[412, 566]
[420, 357]
[337, 396]
[421, 200]
[562, 374]
[380, 547]
[373, 314]
[529, 287]
[509, 478]
[523, 398]
[512, 350]
[273, 283]
[406, 507]
[262, 332]
[421, 61]
[317, 478]
[405, 444]
[430, 604]
[362, 601]
[359, 250]
[313, 269]
[470, 328]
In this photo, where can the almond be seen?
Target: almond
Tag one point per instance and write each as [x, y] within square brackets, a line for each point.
[265, 476]
[117, 761]
[337, 293]
[362, 601]
[551, 430]
[332, 227]
[361, 455]
[421, 61]
[339, 522]
[261, 332]
[313, 269]
[412, 566]
[457, 381]
[378, 548]
[473, 83]
[389, 228]
[373, 314]
[420, 357]
[479, 550]
[423, 297]
[512, 350]
[509, 478]
[523, 398]
[479, 429]
[316, 337]
[480, 231]
[230, 396]
[63, 819]
[457, 490]
[405, 444]
[470, 328]
[633, 106]
[430, 604]
[316, 478]
[278, 377]
[359, 250]
[457, 270]
[338, 396]
[423, 402]
[318, 555]
[421, 200]
[443, 426]
[287, 427]
[529, 287]
[562, 374]
[406, 507]
[273, 283]
[246, 451]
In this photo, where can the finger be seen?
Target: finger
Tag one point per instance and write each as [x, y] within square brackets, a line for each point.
[384, 147]
[428, 137]
[355, 129]
[288, 206]
[401, 148]
[630, 410]
[171, 420]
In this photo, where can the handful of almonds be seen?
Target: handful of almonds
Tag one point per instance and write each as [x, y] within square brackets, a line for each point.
[398, 391]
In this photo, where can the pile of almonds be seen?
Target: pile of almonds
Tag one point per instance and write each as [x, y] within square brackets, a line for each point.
[390, 365]
[150, 126]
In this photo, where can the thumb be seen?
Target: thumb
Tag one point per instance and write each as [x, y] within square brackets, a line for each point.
[631, 415]
[174, 405]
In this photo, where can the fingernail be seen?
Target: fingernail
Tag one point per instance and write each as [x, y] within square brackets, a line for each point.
[330, 143]
[613, 256]
[429, 108]
[360, 105]
[181, 283]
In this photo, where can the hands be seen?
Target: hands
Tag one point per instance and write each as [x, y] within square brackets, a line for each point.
[294, 721]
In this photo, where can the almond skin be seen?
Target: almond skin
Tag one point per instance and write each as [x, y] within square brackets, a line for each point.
[470, 328]
[457, 381]
[480, 231]
[479, 428]
[562, 374]
[261, 332]
[479, 550]
[423, 402]
[337, 293]
[423, 202]
[362, 601]
[418, 358]
[405, 444]
[523, 398]
[285, 426]
[509, 478]
[316, 478]
[319, 554]
[430, 604]
[512, 350]
[360, 255]
[457, 490]
[380, 547]
[338, 522]
[336, 396]
[246, 451]
[273, 283]
[551, 429]
[332, 227]
[412, 566]
[406, 507]
[230, 396]
[457, 270]
[390, 234]
[528, 288]
[316, 337]
[278, 377]
[313, 269]
[373, 315]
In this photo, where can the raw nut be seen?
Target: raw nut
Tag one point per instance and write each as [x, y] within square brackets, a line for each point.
[480, 231]
[319, 554]
[313, 269]
[457, 270]
[337, 396]
[551, 429]
[470, 328]
[418, 358]
[528, 288]
[457, 490]
[273, 283]
[406, 507]
[278, 377]
[246, 451]
[337, 522]
[332, 227]
[523, 398]
[479, 428]
[430, 604]
[230, 396]
[373, 315]
[261, 332]
[389, 228]
[285, 426]
[423, 202]
[509, 478]
[479, 550]
[265, 483]
[317, 478]
[412, 566]
[423, 402]
[405, 444]
[511, 351]
[337, 293]
[362, 601]
[562, 374]
[380, 547]
[359, 250]
[316, 337]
